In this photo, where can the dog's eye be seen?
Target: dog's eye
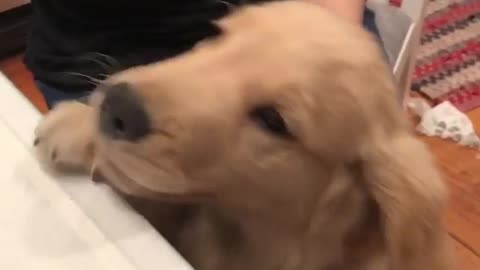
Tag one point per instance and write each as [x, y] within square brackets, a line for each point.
[270, 119]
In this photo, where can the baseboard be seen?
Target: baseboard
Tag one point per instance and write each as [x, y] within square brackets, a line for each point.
[15, 26]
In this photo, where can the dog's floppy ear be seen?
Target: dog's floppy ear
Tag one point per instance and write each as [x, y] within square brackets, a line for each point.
[402, 179]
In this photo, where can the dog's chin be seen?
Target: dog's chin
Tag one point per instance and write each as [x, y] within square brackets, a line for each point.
[166, 188]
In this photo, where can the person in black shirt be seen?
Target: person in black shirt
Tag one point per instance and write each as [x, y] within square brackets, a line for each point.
[73, 43]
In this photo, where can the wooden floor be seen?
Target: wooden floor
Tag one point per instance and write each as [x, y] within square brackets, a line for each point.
[17, 72]
[461, 167]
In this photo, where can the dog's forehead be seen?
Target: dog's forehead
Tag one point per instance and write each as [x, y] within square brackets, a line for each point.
[257, 61]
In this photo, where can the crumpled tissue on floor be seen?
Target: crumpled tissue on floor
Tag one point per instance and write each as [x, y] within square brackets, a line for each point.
[445, 121]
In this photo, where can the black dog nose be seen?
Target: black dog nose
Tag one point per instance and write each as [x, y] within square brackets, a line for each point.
[123, 116]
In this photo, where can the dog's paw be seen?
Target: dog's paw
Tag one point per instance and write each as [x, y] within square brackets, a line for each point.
[64, 138]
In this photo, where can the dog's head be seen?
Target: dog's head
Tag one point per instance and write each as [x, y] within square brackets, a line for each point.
[264, 117]
[271, 100]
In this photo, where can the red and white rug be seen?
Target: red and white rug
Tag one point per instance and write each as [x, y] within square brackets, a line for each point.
[448, 62]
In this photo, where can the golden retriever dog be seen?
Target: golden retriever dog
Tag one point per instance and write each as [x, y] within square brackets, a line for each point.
[280, 144]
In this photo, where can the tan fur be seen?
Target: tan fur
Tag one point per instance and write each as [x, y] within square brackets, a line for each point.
[353, 189]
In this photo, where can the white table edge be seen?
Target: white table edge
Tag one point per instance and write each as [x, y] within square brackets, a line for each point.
[147, 250]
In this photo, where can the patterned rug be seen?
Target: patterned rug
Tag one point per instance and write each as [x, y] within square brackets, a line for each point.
[448, 63]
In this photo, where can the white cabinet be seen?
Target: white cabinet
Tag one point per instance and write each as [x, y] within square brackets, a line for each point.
[404, 60]
[55, 222]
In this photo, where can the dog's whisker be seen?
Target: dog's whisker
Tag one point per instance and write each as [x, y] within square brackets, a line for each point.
[106, 63]
[105, 66]
[105, 76]
[109, 59]
[90, 79]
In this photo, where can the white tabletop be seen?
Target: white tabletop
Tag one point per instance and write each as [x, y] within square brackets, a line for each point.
[64, 222]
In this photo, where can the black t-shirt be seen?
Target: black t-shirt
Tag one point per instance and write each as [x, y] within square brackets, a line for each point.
[73, 39]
